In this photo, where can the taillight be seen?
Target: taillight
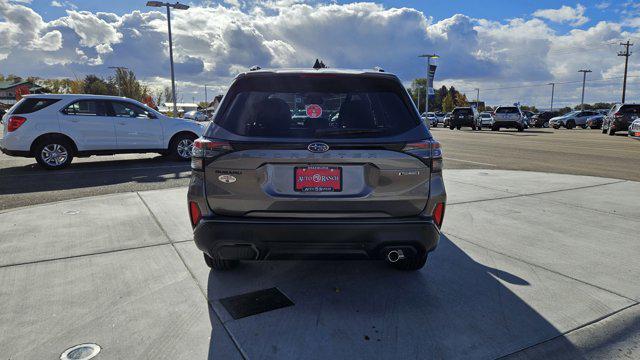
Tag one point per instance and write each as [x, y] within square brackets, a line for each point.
[207, 148]
[438, 214]
[15, 122]
[429, 151]
[618, 115]
[194, 213]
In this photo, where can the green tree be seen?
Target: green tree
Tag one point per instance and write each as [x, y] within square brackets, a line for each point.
[95, 85]
[126, 84]
[448, 103]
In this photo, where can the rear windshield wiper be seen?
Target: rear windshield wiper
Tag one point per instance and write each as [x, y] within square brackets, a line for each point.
[338, 132]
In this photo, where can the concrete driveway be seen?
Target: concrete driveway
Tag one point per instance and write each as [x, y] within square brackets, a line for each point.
[530, 265]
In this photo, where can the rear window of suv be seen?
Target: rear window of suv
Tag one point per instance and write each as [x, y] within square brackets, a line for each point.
[630, 109]
[463, 111]
[317, 106]
[507, 110]
[31, 105]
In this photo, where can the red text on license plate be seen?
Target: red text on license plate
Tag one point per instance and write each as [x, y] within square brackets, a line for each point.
[318, 178]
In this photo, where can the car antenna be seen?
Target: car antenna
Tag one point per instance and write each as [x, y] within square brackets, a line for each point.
[319, 65]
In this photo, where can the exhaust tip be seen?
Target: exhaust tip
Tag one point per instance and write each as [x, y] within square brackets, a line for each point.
[395, 255]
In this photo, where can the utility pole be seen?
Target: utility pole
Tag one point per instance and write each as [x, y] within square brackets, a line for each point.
[584, 80]
[478, 99]
[553, 90]
[206, 99]
[176, 6]
[626, 55]
[419, 99]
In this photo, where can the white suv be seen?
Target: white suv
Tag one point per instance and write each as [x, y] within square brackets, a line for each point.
[55, 128]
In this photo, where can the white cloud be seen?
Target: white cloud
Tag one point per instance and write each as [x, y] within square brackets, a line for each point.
[213, 43]
[565, 14]
[603, 5]
[55, 3]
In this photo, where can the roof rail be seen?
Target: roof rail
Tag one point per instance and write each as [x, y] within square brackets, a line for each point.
[378, 69]
[254, 68]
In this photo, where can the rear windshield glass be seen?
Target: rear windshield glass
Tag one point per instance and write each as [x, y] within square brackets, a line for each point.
[31, 105]
[462, 111]
[307, 106]
[507, 110]
[630, 109]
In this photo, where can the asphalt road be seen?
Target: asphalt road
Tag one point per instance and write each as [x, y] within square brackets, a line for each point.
[581, 152]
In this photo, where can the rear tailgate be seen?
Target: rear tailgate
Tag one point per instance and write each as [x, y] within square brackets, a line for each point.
[372, 183]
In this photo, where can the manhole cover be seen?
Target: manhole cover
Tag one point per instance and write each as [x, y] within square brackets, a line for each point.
[256, 302]
[81, 352]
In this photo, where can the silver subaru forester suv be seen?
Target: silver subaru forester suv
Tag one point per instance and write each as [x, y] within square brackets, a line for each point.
[316, 164]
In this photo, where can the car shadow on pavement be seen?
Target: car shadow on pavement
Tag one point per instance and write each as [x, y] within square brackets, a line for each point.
[32, 178]
[454, 308]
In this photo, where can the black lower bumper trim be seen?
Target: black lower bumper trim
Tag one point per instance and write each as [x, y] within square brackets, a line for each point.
[14, 152]
[272, 239]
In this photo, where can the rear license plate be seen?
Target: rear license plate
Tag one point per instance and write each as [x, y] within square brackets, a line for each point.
[317, 179]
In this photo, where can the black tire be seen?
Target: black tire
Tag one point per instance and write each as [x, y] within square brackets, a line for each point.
[177, 149]
[459, 127]
[604, 130]
[545, 125]
[412, 264]
[611, 132]
[583, 126]
[435, 125]
[570, 124]
[474, 128]
[219, 264]
[520, 128]
[556, 127]
[495, 128]
[53, 145]
[451, 127]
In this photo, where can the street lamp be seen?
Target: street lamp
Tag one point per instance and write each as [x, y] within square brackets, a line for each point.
[176, 6]
[429, 76]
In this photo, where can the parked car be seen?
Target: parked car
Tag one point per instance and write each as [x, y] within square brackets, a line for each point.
[464, 116]
[541, 120]
[195, 115]
[572, 119]
[56, 128]
[440, 116]
[447, 119]
[508, 117]
[431, 119]
[528, 116]
[486, 120]
[620, 117]
[256, 193]
[634, 130]
[595, 121]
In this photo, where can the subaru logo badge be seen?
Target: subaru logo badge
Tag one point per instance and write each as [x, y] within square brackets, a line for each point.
[318, 147]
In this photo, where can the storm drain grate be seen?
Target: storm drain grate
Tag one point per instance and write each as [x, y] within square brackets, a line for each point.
[256, 302]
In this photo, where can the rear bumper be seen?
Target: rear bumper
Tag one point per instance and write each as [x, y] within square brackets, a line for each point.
[14, 152]
[508, 124]
[461, 122]
[265, 238]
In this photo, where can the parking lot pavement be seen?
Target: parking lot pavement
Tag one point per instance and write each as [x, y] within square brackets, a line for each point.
[579, 152]
[576, 152]
[513, 276]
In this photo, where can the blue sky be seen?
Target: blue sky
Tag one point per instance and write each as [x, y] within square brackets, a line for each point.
[493, 44]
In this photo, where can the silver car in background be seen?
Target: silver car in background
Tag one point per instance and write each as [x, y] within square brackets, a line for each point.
[508, 117]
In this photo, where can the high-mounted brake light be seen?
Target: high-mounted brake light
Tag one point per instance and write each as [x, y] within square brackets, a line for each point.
[207, 148]
[429, 151]
[15, 122]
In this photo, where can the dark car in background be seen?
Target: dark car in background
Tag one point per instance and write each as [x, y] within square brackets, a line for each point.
[541, 120]
[366, 184]
[464, 116]
[620, 117]
[595, 121]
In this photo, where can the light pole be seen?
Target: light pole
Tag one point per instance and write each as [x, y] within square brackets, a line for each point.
[121, 68]
[176, 6]
[553, 89]
[478, 99]
[429, 57]
[584, 80]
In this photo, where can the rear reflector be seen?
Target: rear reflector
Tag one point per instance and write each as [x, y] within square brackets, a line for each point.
[15, 122]
[438, 214]
[194, 213]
